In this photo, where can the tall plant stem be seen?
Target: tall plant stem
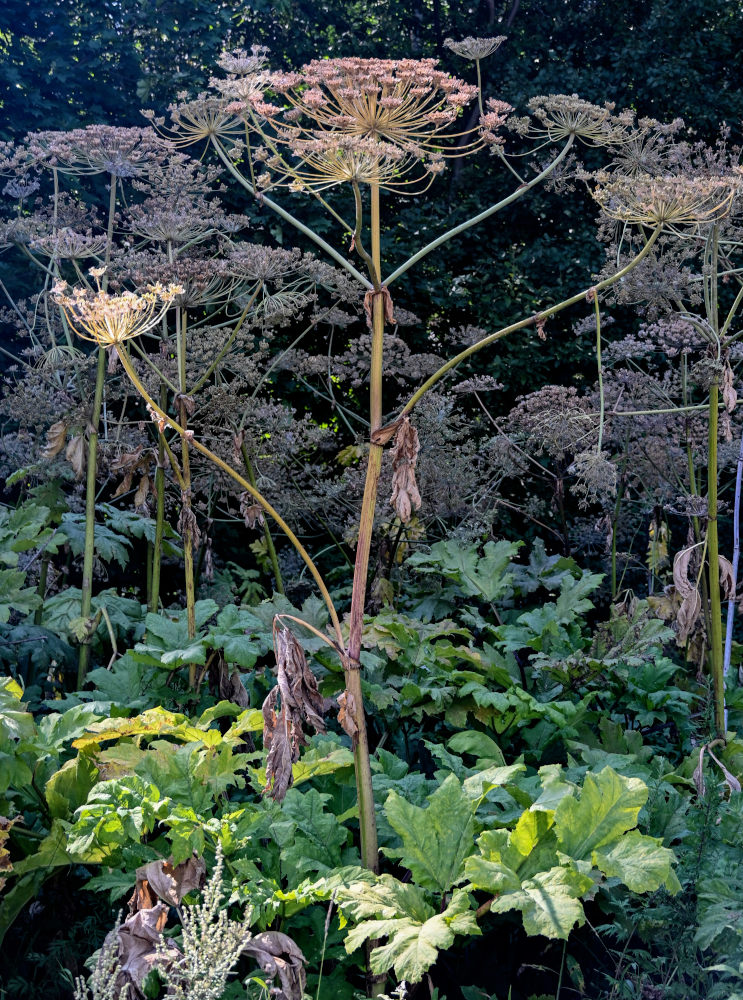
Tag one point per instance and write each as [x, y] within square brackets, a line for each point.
[86, 588]
[164, 419]
[157, 546]
[187, 515]
[270, 547]
[736, 561]
[713, 576]
[367, 820]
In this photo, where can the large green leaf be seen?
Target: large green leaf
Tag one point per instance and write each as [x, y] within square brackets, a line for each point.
[641, 862]
[415, 932]
[437, 839]
[608, 807]
[549, 901]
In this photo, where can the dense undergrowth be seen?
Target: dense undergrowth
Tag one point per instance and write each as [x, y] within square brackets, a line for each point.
[534, 774]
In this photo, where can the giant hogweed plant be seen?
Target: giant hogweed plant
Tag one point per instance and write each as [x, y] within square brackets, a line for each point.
[375, 126]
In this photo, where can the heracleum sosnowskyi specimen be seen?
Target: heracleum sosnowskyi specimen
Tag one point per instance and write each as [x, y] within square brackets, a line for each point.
[374, 124]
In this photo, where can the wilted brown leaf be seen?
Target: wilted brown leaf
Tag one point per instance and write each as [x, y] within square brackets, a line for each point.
[278, 955]
[405, 495]
[698, 775]
[296, 682]
[681, 571]
[300, 700]
[729, 395]
[730, 780]
[187, 522]
[75, 455]
[228, 685]
[347, 716]
[252, 512]
[142, 948]
[55, 439]
[160, 880]
[727, 579]
[688, 614]
[143, 491]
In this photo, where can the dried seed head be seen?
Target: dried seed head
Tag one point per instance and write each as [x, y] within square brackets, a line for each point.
[667, 201]
[474, 48]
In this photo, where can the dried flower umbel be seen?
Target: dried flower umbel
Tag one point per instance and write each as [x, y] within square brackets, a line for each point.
[366, 120]
[669, 200]
[109, 320]
[474, 48]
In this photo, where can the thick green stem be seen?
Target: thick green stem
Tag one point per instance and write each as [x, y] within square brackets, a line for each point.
[157, 547]
[86, 588]
[367, 820]
[86, 595]
[187, 515]
[270, 547]
[715, 608]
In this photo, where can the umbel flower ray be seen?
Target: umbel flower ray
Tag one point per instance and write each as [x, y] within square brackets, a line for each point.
[111, 319]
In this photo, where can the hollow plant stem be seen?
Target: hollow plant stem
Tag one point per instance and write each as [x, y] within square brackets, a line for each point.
[367, 820]
[86, 587]
[713, 578]
[157, 546]
[736, 560]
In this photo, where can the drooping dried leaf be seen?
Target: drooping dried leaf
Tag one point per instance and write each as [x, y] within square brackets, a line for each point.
[727, 579]
[160, 880]
[729, 395]
[75, 455]
[347, 716]
[252, 512]
[55, 439]
[143, 491]
[389, 310]
[688, 614]
[730, 780]
[405, 495]
[297, 684]
[142, 948]
[279, 776]
[278, 955]
[228, 684]
[300, 701]
[681, 571]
